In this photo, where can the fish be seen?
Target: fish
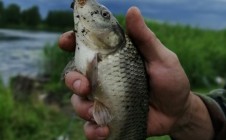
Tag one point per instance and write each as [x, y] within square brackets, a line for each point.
[106, 55]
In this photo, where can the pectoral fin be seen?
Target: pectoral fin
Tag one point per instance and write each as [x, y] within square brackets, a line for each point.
[69, 67]
[92, 72]
[101, 113]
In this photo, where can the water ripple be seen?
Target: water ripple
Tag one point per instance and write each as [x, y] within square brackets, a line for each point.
[21, 52]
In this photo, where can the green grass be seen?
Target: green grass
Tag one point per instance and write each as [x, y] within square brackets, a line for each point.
[33, 120]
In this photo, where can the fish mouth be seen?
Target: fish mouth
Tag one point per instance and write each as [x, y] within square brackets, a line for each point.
[82, 2]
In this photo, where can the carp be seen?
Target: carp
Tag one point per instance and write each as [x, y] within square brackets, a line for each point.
[115, 69]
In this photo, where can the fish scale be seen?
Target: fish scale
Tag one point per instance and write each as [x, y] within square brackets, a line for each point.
[115, 69]
[130, 85]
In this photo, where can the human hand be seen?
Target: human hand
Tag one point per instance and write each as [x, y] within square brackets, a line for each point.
[171, 101]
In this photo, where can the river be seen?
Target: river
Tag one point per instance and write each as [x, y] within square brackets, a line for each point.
[21, 52]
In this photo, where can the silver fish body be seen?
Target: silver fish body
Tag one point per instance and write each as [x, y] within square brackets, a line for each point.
[123, 77]
[115, 69]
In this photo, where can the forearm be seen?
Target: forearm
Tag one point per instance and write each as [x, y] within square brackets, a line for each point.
[195, 124]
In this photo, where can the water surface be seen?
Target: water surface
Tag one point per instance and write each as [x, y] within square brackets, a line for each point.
[21, 52]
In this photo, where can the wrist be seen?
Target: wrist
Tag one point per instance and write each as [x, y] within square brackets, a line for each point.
[195, 123]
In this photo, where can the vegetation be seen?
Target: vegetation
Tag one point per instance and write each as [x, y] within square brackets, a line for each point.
[54, 20]
[11, 14]
[13, 17]
[201, 52]
[32, 120]
[28, 17]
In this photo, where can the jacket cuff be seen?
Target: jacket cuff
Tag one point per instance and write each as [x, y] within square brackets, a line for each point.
[216, 106]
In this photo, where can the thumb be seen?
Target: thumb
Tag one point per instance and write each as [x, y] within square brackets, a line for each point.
[146, 41]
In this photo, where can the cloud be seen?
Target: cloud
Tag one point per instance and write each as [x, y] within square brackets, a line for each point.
[205, 13]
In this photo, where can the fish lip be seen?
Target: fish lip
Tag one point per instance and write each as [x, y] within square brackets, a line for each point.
[82, 2]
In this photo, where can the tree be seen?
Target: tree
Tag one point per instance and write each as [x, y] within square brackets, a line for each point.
[1, 11]
[1, 8]
[59, 19]
[31, 16]
[11, 15]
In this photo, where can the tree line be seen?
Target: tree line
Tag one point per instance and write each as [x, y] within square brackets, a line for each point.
[13, 17]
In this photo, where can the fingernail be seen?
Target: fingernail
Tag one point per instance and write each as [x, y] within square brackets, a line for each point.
[102, 133]
[77, 85]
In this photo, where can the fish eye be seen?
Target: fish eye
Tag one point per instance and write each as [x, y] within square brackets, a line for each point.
[72, 5]
[105, 14]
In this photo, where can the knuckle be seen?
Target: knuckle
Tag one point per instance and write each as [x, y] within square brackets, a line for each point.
[171, 59]
[174, 56]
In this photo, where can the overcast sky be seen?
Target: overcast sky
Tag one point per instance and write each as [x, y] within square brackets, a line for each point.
[202, 13]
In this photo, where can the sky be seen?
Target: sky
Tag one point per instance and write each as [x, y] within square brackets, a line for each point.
[198, 13]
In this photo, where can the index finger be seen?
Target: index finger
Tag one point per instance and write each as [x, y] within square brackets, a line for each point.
[67, 41]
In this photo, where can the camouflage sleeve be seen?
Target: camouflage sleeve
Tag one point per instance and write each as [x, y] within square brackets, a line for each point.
[216, 105]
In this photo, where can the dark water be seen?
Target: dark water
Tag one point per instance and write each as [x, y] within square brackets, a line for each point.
[21, 52]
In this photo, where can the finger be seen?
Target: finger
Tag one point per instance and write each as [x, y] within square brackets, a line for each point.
[77, 83]
[95, 132]
[83, 107]
[146, 41]
[67, 41]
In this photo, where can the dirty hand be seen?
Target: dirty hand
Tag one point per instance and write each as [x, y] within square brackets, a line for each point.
[171, 101]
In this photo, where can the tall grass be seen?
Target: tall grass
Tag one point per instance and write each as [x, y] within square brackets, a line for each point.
[6, 109]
